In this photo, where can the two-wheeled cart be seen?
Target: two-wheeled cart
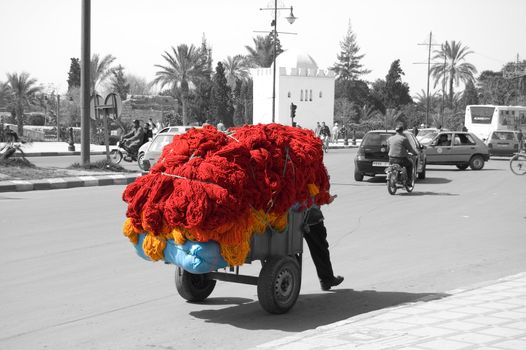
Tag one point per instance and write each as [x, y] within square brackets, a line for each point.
[279, 280]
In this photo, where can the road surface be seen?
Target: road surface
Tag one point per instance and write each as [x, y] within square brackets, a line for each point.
[70, 280]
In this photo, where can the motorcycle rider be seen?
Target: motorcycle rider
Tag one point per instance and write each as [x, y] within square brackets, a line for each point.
[399, 147]
[135, 138]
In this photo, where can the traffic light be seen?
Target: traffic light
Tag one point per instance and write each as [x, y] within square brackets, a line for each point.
[293, 111]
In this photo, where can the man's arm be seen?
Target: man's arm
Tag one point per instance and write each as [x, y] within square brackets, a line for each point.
[410, 147]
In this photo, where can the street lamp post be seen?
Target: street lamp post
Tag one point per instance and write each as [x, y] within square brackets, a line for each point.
[274, 24]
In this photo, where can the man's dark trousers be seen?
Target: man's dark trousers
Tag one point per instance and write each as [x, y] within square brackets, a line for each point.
[319, 250]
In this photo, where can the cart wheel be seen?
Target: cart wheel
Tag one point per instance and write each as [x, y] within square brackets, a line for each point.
[193, 287]
[279, 284]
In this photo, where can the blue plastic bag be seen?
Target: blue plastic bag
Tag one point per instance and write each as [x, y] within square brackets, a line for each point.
[194, 257]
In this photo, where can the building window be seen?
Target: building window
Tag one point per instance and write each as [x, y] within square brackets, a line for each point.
[310, 95]
[321, 94]
[288, 95]
[301, 95]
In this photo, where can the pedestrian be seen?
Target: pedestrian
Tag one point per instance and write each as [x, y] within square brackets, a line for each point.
[315, 233]
[148, 133]
[10, 135]
[520, 138]
[317, 131]
[415, 131]
[1, 132]
[335, 133]
[464, 127]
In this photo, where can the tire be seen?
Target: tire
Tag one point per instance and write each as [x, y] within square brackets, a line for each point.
[476, 162]
[279, 284]
[358, 176]
[518, 164]
[422, 175]
[391, 183]
[462, 166]
[193, 287]
[140, 157]
[116, 156]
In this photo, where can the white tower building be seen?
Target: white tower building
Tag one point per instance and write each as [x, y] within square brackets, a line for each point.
[298, 81]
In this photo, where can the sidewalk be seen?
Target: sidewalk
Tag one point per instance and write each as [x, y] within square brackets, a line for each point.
[489, 316]
[75, 178]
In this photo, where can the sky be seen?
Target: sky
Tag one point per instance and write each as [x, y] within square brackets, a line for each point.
[40, 36]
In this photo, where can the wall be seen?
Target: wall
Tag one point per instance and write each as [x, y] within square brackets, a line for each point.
[293, 80]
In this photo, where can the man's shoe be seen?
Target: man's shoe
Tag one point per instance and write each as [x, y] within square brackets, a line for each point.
[327, 285]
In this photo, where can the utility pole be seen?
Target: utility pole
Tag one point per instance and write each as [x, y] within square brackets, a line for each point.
[428, 44]
[58, 115]
[85, 82]
[443, 92]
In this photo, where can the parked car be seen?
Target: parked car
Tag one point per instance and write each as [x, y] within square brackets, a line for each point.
[154, 148]
[458, 148]
[372, 157]
[425, 135]
[169, 129]
[503, 143]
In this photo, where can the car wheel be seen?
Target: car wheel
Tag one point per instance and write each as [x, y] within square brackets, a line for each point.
[140, 157]
[422, 174]
[358, 176]
[476, 162]
[462, 166]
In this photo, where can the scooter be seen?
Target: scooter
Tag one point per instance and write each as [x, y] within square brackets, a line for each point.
[122, 152]
[397, 178]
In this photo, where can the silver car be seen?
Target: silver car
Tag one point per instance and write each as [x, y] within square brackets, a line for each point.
[153, 149]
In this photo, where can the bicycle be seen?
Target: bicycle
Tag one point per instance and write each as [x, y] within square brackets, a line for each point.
[518, 163]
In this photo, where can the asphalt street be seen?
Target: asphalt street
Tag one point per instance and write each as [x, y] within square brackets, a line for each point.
[71, 280]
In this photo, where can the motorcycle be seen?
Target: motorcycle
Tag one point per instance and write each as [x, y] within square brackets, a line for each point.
[122, 152]
[397, 178]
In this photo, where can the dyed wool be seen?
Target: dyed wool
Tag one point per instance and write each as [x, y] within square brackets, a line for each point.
[209, 185]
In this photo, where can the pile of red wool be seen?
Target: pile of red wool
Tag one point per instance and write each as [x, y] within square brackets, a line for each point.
[212, 185]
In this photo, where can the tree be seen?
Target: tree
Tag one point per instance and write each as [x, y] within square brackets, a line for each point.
[22, 90]
[348, 66]
[184, 66]
[221, 106]
[493, 88]
[100, 71]
[396, 92]
[138, 85]
[262, 54]
[74, 74]
[119, 83]
[237, 76]
[454, 70]
[470, 95]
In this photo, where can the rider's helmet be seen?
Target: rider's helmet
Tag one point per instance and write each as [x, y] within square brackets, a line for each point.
[399, 127]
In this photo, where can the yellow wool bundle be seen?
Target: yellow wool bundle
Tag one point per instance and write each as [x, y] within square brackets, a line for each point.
[153, 246]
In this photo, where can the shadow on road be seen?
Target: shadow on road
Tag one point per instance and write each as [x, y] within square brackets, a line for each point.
[311, 310]
[434, 180]
[427, 193]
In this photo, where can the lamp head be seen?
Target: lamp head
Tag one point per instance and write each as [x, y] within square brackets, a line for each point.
[291, 18]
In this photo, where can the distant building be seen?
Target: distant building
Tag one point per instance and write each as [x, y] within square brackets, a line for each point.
[298, 81]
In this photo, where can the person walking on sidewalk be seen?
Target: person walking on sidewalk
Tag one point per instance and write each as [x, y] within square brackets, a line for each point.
[315, 234]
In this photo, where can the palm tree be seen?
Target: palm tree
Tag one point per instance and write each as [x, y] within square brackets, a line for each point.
[453, 70]
[262, 54]
[22, 90]
[236, 70]
[184, 66]
[237, 76]
[100, 70]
